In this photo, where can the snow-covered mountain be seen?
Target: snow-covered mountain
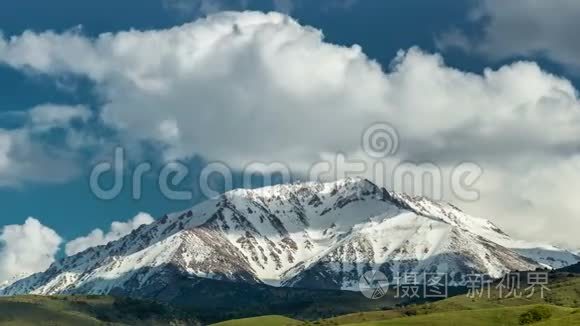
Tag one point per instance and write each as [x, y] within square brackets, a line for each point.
[317, 235]
[11, 280]
[547, 255]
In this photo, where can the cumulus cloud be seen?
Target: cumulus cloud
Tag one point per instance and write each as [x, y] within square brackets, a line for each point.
[246, 87]
[26, 249]
[522, 28]
[98, 237]
[28, 153]
[5, 146]
[244, 73]
[50, 116]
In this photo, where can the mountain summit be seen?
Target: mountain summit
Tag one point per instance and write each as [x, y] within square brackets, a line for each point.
[310, 235]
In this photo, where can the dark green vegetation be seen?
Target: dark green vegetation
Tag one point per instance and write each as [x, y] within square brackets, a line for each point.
[87, 310]
[559, 306]
[535, 314]
[213, 302]
[572, 269]
[208, 302]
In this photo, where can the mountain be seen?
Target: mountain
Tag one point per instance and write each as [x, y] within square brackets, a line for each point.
[547, 255]
[309, 235]
[12, 280]
[571, 269]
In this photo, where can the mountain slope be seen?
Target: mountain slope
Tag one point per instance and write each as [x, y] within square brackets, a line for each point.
[289, 235]
[571, 269]
[415, 244]
[548, 255]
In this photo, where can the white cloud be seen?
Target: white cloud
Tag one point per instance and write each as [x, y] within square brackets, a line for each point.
[226, 73]
[97, 237]
[5, 147]
[32, 247]
[29, 154]
[24, 159]
[523, 28]
[244, 87]
[26, 249]
[50, 116]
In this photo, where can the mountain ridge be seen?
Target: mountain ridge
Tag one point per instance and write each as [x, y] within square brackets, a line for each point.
[318, 235]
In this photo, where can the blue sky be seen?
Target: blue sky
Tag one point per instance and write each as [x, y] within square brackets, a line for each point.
[380, 28]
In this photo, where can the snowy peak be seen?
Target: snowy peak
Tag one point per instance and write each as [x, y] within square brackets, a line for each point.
[416, 243]
[321, 235]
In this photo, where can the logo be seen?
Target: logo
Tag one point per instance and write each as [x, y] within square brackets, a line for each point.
[380, 140]
[373, 285]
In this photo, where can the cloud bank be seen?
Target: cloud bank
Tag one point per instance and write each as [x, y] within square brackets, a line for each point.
[32, 247]
[245, 87]
[26, 249]
[34, 146]
[522, 28]
[97, 237]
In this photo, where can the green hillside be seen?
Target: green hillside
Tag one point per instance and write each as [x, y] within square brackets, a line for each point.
[483, 317]
[264, 320]
[559, 306]
[562, 301]
[87, 310]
